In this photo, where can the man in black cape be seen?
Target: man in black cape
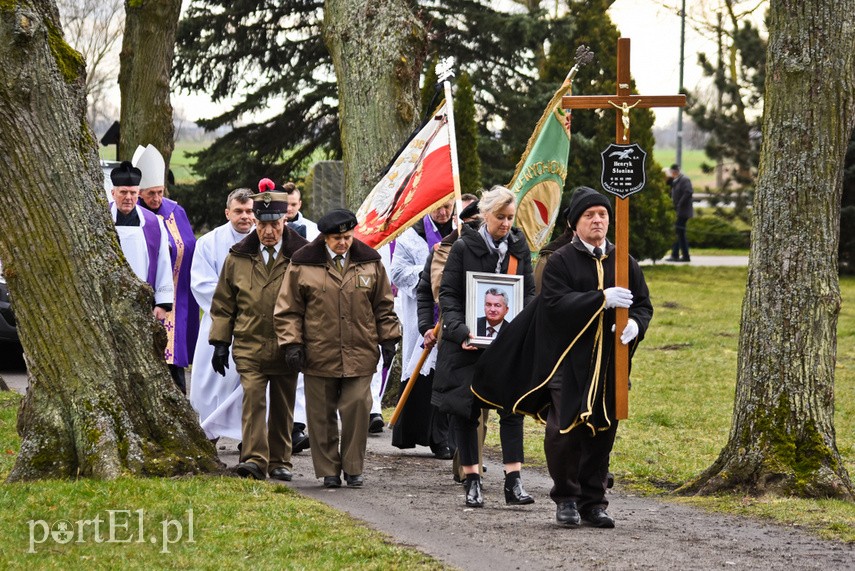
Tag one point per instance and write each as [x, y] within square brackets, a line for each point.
[555, 360]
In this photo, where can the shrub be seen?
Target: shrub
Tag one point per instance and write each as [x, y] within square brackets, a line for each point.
[713, 232]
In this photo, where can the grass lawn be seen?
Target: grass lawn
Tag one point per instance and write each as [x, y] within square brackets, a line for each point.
[234, 522]
[692, 161]
[680, 411]
[681, 402]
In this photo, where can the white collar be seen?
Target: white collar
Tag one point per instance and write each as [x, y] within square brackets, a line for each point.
[332, 254]
[591, 246]
[276, 247]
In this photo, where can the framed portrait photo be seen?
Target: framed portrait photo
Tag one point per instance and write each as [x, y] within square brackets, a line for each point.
[492, 301]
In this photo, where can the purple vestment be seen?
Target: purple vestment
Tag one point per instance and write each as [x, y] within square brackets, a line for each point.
[182, 323]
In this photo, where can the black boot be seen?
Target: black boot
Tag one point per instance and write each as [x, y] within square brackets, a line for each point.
[515, 494]
[474, 498]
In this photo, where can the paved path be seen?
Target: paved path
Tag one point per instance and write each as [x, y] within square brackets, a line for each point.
[410, 496]
[705, 261]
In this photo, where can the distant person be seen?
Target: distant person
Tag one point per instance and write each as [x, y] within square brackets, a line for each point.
[142, 237]
[681, 196]
[296, 221]
[495, 309]
[212, 395]
[182, 323]
[242, 315]
[334, 319]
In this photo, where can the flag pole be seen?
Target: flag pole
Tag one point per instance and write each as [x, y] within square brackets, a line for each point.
[458, 201]
[452, 147]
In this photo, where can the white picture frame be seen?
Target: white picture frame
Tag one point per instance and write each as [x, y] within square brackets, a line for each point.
[478, 285]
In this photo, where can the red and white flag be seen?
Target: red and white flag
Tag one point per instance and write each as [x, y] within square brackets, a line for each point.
[420, 179]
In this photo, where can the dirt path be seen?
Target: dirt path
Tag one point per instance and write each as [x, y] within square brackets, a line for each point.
[411, 496]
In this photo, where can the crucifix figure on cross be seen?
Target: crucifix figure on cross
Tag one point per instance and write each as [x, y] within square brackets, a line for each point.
[623, 101]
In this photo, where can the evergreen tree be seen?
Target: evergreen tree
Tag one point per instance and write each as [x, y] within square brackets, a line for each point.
[734, 140]
[467, 136]
[430, 88]
[587, 23]
[267, 55]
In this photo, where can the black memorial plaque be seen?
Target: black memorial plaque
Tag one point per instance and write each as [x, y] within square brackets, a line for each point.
[623, 169]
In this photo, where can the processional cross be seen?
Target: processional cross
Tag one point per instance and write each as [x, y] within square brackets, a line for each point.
[623, 101]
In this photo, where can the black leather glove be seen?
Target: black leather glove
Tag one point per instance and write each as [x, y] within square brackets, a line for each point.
[387, 349]
[295, 357]
[220, 360]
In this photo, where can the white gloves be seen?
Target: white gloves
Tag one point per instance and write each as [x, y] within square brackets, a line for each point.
[630, 332]
[617, 297]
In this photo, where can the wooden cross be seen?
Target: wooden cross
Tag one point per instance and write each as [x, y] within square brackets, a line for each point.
[622, 102]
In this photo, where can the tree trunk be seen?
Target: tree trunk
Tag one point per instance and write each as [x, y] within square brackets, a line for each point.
[377, 47]
[782, 439]
[100, 400]
[148, 47]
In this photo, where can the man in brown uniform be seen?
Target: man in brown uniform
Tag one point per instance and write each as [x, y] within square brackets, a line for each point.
[334, 311]
[242, 308]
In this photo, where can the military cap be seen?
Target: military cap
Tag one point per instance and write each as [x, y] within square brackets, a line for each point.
[125, 174]
[269, 205]
[337, 221]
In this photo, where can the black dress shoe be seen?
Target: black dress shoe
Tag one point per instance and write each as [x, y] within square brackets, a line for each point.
[332, 482]
[375, 423]
[515, 494]
[442, 452]
[354, 481]
[567, 514]
[474, 497]
[598, 517]
[281, 473]
[610, 480]
[249, 470]
[299, 441]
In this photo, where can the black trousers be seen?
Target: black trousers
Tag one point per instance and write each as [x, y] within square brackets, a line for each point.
[510, 436]
[682, 243]
[578, 461]
[178, 377]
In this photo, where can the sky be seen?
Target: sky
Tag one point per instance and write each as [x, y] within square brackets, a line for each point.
[653, 26]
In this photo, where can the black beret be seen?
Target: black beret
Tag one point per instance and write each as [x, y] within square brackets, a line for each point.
[583, 199]
[126, 174]
[337, 221]
[470, 210]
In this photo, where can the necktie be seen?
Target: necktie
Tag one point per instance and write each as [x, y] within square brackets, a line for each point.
[491, 331]
[598, 252]
[271, 256]
[339, 263]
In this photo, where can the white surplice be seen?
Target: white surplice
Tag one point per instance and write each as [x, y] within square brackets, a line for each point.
[217, 399]
[132, 241]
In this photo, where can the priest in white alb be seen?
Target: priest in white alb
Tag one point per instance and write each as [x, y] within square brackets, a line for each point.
[217, 399]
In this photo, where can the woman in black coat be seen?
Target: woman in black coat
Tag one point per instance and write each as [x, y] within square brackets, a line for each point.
[489, 250]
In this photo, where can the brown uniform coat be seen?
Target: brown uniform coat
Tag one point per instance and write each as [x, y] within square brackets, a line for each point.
[245, 298]
[339, 319]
